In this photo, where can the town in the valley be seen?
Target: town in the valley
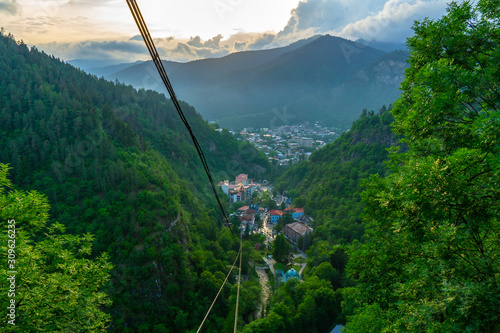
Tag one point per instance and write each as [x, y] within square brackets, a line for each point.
[289, 144]
[256, 208]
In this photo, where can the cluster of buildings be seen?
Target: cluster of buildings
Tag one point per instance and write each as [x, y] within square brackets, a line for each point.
[247, 216]
[275, 214]
[299, 228]
[241, 189]
[291, 143]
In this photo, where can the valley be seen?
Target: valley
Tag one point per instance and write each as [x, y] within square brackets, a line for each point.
[358, 186]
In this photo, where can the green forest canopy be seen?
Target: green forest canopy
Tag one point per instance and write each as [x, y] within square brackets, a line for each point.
[431, 259]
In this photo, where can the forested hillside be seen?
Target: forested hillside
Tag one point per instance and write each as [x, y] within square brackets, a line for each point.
[329, 184]
[371, 88]
[117, 163]
[414, 248]
[431, 261]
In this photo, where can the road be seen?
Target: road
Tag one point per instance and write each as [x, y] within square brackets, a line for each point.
[267, 229]
[302, 266]
[270, 263]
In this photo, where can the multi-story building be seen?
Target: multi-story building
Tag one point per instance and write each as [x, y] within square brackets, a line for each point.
[239, 190]
[294, 231]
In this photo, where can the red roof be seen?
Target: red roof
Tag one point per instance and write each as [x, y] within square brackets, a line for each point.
[295, 210]
[244, 208]
[251, 211]
[276, 212]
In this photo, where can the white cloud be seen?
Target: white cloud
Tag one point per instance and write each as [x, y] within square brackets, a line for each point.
[319, 16]
[393, 23]
[383, 20]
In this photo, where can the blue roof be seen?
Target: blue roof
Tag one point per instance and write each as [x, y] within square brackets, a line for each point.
[291, 274]
[337, 329]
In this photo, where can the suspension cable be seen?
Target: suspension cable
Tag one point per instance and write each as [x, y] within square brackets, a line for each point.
[141, 24]
[238, 293]
[215, 299]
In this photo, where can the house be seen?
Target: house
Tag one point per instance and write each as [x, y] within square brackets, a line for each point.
[226, 186]
[238, 193]
[296, 212]
[245, 218]
[247, 222]
[275, 215]
[305, 142]
[337, 329]
[243, 209]
[236, 196]
[294, 231]
[250, 210]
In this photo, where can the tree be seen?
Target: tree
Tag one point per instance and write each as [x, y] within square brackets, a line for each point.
[258, 222]
[271, 324]
[282, 251]
[57, 286]
[431, 260]
[235, 224]
[304, 242]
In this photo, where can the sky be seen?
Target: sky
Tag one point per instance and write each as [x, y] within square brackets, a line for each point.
[193, 29]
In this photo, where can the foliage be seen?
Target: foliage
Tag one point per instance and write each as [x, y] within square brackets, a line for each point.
[329, 183]
[431, 260]
[57, 285]
[282, 251]
[309, 306]
[264, 199]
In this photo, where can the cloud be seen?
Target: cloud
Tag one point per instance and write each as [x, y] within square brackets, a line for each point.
[213, 43]
[393, 23]
[133, 49]
[315, 15]
[97, 50]
[262, 42]
[382, 20]
[9, 6]
[319, 16]
[137, 37]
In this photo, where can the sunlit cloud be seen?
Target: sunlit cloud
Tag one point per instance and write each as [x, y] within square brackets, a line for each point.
[104, 29]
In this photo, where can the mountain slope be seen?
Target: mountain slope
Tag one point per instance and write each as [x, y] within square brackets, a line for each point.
[199, 72]
[117, 163]
[329, 183]
[107, 70]
[375, 85]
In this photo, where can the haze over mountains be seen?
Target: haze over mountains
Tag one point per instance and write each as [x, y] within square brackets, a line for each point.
[323, 78]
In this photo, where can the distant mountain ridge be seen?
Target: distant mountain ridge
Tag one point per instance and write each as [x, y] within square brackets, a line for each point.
[323, 78]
